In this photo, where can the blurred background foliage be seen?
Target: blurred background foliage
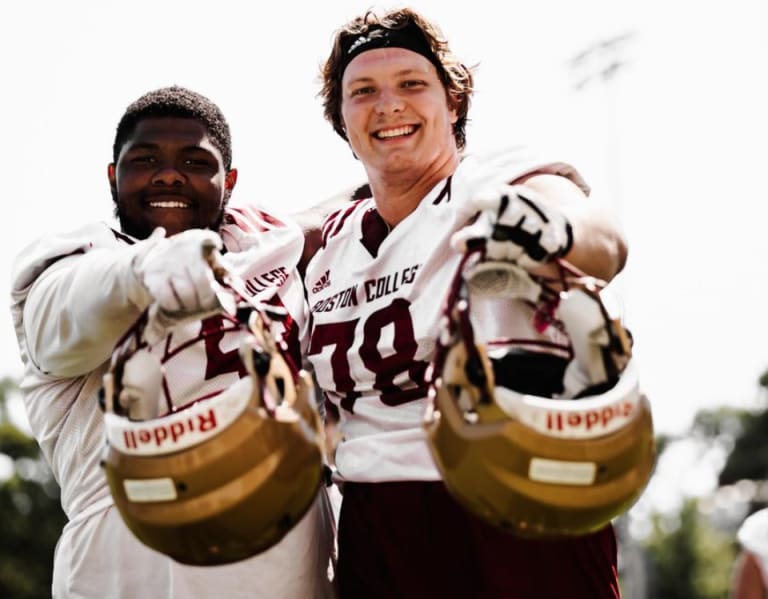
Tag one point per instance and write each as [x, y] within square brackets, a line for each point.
[687, 554]
[689, 558]
[31, 518]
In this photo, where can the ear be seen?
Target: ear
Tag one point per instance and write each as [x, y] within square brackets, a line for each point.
[342, 128]
[111, 175]
[230, 179]
[453, 105]
[229, 182]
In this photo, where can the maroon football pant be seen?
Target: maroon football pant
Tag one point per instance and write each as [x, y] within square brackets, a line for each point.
[412, 540]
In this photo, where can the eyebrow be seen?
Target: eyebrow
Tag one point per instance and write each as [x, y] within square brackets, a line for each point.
[142, 146]
[153, 146]
[399, 73]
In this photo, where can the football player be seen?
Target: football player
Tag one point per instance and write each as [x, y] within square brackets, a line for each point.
[396, 93]
[76, 294]
[750, 579]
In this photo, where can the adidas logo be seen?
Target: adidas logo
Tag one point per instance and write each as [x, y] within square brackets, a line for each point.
[323, 282]
[357, 43]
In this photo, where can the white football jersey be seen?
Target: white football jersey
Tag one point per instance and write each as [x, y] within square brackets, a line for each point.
[376, 298]
[74, 296]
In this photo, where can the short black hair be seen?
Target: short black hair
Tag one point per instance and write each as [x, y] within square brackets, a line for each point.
[176, 101]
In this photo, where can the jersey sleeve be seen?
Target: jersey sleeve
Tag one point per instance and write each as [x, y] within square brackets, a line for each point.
[258, 242]
[73, 296]
[511, 165]
[264, 250]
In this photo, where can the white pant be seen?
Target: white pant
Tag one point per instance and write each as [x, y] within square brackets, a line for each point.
[99, 558]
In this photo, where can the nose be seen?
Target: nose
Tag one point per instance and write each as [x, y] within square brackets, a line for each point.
[168, 175]
[388, 102]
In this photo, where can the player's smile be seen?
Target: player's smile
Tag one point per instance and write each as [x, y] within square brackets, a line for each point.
[166, 200]
[400, 132]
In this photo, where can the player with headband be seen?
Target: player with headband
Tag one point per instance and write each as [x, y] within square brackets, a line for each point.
[395, 92]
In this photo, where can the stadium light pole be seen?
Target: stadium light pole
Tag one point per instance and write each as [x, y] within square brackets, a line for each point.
[598, 66]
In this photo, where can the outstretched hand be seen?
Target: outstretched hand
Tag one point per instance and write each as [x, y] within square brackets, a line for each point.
[177, 273]
[515, 225]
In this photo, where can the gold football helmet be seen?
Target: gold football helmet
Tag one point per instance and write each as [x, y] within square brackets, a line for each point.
[226, 476]
[555, 463]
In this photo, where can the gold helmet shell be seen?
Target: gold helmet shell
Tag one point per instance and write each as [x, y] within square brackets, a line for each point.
[541, 466]
[226, 477]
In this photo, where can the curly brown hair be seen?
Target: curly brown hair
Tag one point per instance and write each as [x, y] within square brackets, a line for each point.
[455, 76]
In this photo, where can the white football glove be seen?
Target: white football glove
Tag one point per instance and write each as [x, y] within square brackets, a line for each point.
[515, 225]
[177, 274]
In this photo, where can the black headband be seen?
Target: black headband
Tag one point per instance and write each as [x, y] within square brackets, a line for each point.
[410, 37]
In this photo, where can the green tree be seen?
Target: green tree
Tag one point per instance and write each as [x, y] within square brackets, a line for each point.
[30, 514]
[689, 558]
[749, 457]
[763, 380]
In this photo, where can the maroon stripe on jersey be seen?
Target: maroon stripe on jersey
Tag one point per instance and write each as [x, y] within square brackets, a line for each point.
[444, 192]
[330, 221]
[327, 235]
[249, 219]
[375, 231]
[272, 220]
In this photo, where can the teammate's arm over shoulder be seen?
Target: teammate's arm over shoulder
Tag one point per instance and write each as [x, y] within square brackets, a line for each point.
[311, 219]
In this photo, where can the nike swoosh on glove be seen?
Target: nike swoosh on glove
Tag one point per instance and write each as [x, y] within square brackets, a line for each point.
[177, 274]
[515, 225]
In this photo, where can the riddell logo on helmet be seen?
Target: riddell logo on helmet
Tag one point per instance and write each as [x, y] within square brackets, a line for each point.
[170, 433]
[589, 420]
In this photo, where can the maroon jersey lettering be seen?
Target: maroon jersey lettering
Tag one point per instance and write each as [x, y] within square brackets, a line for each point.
[385, 368]
[342, 335]
[219, 362]
[401, 360]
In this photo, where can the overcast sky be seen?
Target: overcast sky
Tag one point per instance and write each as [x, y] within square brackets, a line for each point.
[674, 141]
